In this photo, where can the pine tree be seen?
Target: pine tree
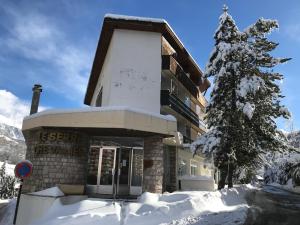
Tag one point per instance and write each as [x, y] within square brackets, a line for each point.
[245, 98]
[2, 172]
[2, 180]
[7, 184]
[260, 91]
[222, 111]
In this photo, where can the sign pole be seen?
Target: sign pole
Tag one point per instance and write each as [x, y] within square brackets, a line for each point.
[18, 201]
[23, 169]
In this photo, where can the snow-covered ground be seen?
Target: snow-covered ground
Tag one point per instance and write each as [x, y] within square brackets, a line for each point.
[288, 186]
[227, 206]
[7, 210]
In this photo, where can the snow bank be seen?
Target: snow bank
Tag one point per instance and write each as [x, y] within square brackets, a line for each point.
[7, 210]
[50, 192]
[88, 212]
[189, 207]
[227, 206]
[289, 186]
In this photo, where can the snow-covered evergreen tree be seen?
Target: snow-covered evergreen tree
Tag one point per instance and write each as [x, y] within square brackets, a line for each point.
[7, 184]
[2, 172]
[222, 112]
[245, 99]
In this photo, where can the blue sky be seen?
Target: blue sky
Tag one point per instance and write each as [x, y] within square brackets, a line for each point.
[54, 42]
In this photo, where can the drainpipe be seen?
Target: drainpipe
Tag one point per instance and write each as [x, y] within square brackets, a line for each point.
[37, 89]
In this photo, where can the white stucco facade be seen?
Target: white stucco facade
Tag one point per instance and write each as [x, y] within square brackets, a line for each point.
[131, 73]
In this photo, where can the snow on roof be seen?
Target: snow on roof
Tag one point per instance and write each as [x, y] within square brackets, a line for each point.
[137, 18]
[100, 109]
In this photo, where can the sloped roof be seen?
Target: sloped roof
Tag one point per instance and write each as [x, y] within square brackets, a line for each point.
[112, 21]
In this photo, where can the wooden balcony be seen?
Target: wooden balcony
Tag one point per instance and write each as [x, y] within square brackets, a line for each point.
[169, 99]
[169, 64]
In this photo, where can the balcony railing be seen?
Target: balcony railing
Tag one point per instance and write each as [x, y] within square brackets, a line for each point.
[170, 64]
[171, 100]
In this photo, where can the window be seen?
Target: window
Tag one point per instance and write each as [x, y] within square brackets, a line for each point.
[182, 167]
[193, 168]
[187, 101]
[99, 98]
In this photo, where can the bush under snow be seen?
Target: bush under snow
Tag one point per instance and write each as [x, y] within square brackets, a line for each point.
[285, 167]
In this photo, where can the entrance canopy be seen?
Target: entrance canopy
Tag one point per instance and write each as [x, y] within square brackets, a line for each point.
[103, 117]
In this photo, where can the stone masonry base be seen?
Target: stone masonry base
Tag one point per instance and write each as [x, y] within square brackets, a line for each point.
[153, 164]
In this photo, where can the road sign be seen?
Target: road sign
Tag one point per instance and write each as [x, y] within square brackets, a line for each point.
[23, 169]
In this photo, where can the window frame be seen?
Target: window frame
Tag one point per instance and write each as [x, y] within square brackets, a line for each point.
[194, 165]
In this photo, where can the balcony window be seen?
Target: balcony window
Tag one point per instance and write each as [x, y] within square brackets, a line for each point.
[179, 91]
[170, 65]
[193, 168]
[171, 100]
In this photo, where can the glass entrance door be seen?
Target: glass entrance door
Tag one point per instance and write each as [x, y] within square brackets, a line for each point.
[106, 170]
[124, 166]
[116, 171]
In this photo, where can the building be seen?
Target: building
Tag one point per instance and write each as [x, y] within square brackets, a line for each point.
[145, 105]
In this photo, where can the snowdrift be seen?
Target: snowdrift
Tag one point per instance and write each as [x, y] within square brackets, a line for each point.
[188, 207]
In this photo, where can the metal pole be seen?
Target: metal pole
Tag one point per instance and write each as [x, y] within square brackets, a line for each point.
[17, 204]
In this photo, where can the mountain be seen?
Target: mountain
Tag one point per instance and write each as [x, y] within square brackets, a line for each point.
[12, 144]
[11, 132]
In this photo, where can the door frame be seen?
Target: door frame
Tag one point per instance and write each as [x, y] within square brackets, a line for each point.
[106, 189]
[113, 188]
[119, 151]
[135, 190]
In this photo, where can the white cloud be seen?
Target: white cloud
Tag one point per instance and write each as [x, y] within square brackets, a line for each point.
[37, 37]
[13, 109]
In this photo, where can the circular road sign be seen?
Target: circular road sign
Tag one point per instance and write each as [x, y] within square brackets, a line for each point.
[23, 169]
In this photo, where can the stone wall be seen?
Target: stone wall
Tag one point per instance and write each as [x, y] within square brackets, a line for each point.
[153, 164]
[170, 168]
[58, 157]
